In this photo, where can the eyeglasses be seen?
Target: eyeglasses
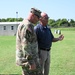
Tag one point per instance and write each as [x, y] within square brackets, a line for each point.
[45, 18]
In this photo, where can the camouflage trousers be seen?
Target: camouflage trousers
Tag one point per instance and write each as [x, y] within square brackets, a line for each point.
[26, 71]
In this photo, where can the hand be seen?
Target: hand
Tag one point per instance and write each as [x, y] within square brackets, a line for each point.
[32, 67]
[61, 37]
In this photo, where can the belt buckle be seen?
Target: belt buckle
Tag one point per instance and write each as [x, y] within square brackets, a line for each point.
[47, 48]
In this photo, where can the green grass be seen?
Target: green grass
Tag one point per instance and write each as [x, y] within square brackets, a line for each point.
[62, 54]
[7, 56]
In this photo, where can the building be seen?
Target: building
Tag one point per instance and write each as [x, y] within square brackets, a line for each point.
[8, 28]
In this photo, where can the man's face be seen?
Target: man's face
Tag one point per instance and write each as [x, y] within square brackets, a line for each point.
[44, 20]
[36, 19]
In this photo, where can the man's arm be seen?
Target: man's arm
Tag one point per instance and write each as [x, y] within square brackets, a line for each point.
[27, 46]
[60, 38]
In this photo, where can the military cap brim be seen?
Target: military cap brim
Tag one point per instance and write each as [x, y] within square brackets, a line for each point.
[36, 12]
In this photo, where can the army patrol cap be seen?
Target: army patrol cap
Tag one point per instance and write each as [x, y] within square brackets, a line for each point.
[36, 12]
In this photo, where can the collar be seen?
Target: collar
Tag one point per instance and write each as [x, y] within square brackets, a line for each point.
[43, 27]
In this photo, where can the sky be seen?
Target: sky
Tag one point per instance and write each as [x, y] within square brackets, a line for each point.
[56, 9]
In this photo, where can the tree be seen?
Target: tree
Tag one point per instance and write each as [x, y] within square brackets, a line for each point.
[0, 20]
[64, 23]
[20, 19]
[3, 20]
[72, 23]
[51, 23]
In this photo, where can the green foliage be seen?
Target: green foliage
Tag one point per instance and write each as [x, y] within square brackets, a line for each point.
[20, 19]
[3, 20]
[72, 23]
[61, 23]
[53, 23]
[11, 19]
[0, 20]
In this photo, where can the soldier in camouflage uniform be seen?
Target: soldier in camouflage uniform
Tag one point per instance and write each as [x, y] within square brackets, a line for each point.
[26, 45]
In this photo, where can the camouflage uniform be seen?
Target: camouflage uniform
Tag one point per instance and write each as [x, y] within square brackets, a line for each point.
[27, 48]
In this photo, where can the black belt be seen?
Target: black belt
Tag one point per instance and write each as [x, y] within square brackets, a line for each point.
[45, 49]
